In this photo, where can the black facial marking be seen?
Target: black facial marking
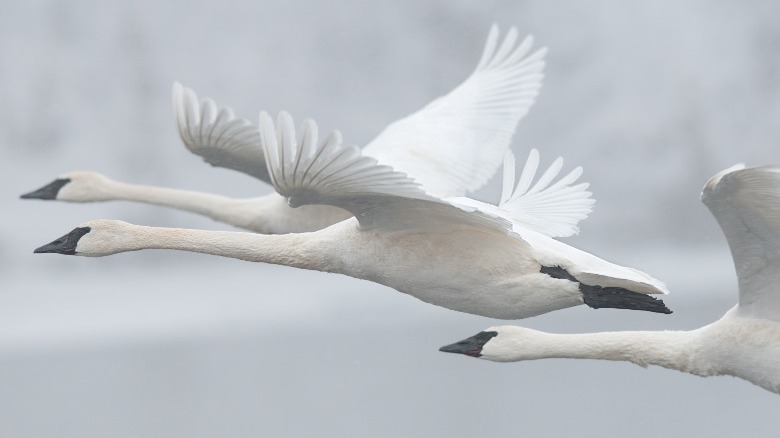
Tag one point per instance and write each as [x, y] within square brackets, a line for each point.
[471, 346]
[49, 191]
[599, 297]
[65, 244]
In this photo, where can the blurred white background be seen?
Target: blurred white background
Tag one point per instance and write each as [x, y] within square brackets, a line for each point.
[652, 98]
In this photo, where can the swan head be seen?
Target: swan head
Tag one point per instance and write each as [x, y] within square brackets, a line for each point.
[93, 239]
[74, 187]
[499, 344]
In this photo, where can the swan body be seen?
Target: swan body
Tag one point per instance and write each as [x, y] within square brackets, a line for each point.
[466, 256]
[452, 146]
[744, 343]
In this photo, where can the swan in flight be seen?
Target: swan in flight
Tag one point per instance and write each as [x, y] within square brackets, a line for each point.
[458, 253]
[452, 146]
[744, 343]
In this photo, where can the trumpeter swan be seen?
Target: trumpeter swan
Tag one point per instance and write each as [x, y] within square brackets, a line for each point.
[496, 261]
[744, 343]
[452, 146]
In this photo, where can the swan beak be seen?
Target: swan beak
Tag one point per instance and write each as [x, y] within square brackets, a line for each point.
[49, 191]
[65, 244]
[471, 346]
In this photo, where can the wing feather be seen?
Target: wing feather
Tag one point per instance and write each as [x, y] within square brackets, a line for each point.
[217, 135]
[455, 144]
[508, 180]
[746, 204]
[333, 173]
[381, 197]
[308, 172]
[551, 209]
[528, 173]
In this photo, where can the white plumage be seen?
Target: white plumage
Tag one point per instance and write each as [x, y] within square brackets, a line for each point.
[744, 343]
[469, 257]
[452, 146]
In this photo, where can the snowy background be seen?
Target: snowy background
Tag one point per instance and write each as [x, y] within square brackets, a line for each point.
[652, 98]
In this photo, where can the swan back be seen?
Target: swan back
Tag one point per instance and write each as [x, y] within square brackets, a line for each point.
[746, 204]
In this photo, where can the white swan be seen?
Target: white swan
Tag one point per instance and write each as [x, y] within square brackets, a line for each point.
[457, 253]
[744, 343]
[452, 146]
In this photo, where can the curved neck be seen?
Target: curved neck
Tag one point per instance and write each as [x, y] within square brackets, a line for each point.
[668, 349]
[304, 250]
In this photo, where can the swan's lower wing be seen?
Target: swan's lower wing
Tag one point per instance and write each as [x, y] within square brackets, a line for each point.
[455, 144]
[217, 135]
[746, 203]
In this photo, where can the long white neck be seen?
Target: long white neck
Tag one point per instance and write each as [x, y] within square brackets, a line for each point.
[304, 250]
[215, 206]
[267, 214]
[669, 349]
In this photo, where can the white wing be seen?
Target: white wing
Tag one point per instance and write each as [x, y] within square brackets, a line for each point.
[334, 174]
[746, 203]
[380, 197]
[553, 210]
[541, 210]
[455, 144]
[216, 135]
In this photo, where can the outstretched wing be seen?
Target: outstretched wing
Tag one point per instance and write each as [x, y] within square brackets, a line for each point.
[217, 135]
[553, 210]
[307, 171]
[540, 210]
[455, 144]
[746, 203]
[380, 197]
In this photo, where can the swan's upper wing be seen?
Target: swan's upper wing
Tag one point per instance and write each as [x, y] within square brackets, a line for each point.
[455, 144]
[746, 203]
[308, 172]
[551, 209]
[216, 135]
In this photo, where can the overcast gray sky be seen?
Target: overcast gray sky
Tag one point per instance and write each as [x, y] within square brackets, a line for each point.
[651, 98]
